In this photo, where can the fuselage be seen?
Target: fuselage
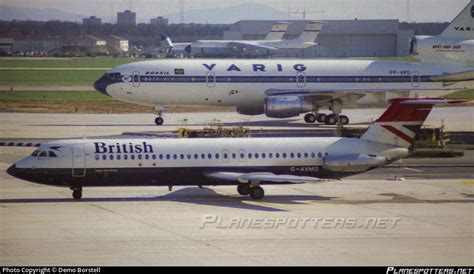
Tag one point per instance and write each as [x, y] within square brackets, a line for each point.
[134, 162]
[221, 82]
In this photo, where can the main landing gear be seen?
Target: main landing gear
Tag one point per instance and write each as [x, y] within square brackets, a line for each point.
[159, 120]
[76, 193]
[255, 191]
[328, 119]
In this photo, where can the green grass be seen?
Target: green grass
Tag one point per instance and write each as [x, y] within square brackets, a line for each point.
[53, 96]
[99, 62]
[463, 94]
[49, 77]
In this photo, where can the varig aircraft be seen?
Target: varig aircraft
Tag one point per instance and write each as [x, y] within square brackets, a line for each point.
[246, 162]
[289, 87]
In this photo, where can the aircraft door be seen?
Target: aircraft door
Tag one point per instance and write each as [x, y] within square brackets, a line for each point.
[210, 79]
[78, 161]
[301, 79]
[415, 79]
[136, 79]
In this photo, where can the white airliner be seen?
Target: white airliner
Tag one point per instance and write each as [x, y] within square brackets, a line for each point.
[221, 48]
[273, 43]
[284, 88]
[246, 162]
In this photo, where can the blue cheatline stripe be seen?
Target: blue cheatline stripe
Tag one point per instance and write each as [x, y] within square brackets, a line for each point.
[285, 79]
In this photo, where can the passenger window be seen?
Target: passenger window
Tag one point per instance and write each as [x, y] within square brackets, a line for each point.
[111, 156]
[139, 156]
[319, 155]
[306, 155]
[298, 155]
[284, 155]
[153, 156]
[277, 155]
[249, 156]
[125, 157]
[181, 156]
[209, 156]
[242, 156]
[188, 156]
[196, 156]
[225, 155]
[203, 156]
[312, 155]
[292, 155]
[167, 157]
[160, 156]
[104, 157]
[217, 155]
[118, 157]
[256, 155]
[175, 156]
[234, 155]
[147, 157]
[270, 155]
[132, 157]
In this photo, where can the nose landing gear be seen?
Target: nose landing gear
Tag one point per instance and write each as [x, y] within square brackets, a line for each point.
[76, 193]
[159, 120]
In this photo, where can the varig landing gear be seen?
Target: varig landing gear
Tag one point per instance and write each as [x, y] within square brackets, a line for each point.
[76, 193]
[253, 189]
[159, 120]
[335, 117]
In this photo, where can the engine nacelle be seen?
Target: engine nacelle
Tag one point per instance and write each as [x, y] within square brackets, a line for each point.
[351, 162]
[286, 106]
[434, 48]
[251, 110]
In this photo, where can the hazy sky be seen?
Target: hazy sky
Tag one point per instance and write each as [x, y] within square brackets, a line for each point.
[419, 10]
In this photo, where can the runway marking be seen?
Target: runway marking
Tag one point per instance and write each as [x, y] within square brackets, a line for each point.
[412, 169]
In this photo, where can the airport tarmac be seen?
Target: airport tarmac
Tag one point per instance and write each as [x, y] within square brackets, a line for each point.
[368, 219]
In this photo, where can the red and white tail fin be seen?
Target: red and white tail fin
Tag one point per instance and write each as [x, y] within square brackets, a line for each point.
[400, 123]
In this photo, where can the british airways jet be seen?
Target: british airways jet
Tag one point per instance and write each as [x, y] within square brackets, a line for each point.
[282, 88]
[245, 162]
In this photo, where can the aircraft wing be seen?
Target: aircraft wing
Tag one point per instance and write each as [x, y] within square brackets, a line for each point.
[251, 46]
[261, 177]
[454, 77]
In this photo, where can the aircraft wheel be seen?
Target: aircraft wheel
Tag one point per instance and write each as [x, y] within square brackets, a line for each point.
[331, 119]
[321, 118]
[257, 193]
[310, 118]
[77, 194]
[159, 121]
[243, 189]
[344, 119]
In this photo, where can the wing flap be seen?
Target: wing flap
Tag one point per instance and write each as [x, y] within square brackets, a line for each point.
[261, 177]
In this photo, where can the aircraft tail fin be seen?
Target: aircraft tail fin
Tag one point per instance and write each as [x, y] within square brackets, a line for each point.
[311, 31]
[166, 42]
[402, 120]
[463, 25]
[277, 31]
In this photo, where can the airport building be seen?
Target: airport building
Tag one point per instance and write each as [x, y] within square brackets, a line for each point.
[338, 38]
[92, 21]
[6, 46]
[160, 20]
[126, 18]
[118, 42]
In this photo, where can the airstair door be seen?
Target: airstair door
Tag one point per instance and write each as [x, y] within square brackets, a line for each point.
[210, 79]
[78, 161]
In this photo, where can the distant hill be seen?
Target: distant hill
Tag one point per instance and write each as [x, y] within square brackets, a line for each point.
[8, 13]
[246, 11]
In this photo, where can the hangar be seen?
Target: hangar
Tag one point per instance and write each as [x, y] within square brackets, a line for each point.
[338, 38]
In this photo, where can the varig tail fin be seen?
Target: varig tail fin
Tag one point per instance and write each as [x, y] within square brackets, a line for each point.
[400, 123]
[311, 31]
[277, 31]
[463, 25]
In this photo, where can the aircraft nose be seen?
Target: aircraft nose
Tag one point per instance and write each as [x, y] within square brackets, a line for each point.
[13, 171]
[101, 85]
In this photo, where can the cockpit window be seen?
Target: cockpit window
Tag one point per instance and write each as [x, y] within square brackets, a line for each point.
[43, 153]
[35, 153]
[51, 154]
[113, 76]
